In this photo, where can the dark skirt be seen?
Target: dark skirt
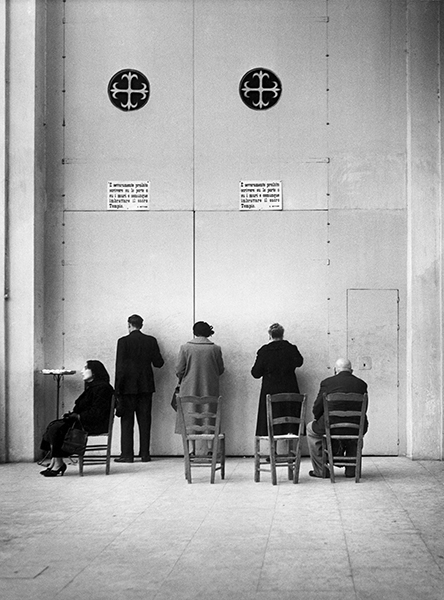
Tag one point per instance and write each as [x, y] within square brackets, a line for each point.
[54, 436]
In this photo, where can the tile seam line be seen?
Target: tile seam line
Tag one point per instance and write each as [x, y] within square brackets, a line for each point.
[258, 591]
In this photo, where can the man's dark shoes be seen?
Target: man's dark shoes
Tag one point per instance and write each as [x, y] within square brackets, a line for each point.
[124, 459]
[350, 471]
[313, 474]
[145, 458]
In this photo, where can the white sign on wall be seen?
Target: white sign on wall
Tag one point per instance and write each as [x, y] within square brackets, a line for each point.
[128, 195]
[260, 195]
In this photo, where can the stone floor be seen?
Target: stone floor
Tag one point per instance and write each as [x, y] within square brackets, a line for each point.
[144, 533]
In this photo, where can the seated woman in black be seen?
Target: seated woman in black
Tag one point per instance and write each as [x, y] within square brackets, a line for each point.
[92, 408]
[276, 363]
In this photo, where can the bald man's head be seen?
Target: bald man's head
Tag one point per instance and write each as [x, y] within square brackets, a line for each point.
[343, 364]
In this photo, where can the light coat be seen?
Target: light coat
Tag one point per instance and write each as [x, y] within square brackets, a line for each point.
[199, 367]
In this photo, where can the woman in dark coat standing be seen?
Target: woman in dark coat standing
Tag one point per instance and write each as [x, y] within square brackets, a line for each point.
[275, 363]
[92, 409]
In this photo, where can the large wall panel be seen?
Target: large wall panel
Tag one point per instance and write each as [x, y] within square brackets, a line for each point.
[117, 264]
[287, 141]
[252, 270]
[367, 252]
[104, 143]
[367, 103]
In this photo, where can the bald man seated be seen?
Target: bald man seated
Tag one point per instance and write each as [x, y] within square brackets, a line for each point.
[345, 382]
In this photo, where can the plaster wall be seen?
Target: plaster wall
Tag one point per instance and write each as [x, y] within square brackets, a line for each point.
[336, 140]
[355, 139]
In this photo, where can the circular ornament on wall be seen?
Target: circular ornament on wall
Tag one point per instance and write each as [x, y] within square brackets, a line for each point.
[260, 89]
[129, 89]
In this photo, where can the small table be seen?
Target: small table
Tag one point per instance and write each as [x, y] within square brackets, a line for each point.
[58, 375]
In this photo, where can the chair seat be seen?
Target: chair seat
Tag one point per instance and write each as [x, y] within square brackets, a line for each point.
[205, 436]
[286, 436]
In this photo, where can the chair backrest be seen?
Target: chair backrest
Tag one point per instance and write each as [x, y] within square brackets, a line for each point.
[112, 410]
[110, 420]
[199, 415]
[286, 413]
[344, 414]
[93, 453]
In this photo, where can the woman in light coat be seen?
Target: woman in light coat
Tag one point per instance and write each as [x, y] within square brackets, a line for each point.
[200, 364]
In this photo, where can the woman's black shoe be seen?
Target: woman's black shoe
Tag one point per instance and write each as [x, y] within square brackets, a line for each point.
[51, 473]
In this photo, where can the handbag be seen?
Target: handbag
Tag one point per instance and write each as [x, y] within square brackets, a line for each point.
[75, 439]
[174, 398]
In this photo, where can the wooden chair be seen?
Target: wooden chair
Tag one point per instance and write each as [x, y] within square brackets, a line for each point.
[291, 413]
[95, 452]
[344, 416]
[199, 420]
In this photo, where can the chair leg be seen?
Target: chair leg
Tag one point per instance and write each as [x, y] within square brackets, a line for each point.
[297, 463]
[324, 457]
[81, 465]
[273, 463]
[257, 448]
[214, 452]
[108, 450]
[330, 460]
[186, 456]
[222, 458]
[358, 461]
[108, 460]
[290, 464]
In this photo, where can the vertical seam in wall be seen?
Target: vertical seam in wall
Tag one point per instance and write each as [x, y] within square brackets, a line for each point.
[398, 412]
[63, 179]
[440, 229]
[327, 120]
[194, 159]
[408, 357]
[4, 437]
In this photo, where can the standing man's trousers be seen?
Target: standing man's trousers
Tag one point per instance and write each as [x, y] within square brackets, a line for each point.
[139, 405]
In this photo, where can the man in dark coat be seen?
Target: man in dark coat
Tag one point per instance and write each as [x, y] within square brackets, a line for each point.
[345, 382]
[134, 386]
